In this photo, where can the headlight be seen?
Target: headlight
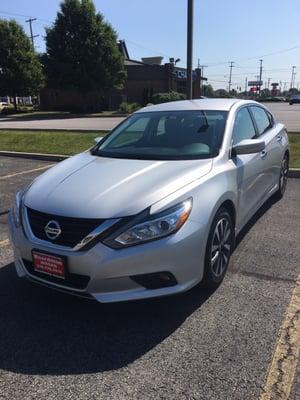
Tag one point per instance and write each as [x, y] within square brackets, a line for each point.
[153, 227]
[17, 209]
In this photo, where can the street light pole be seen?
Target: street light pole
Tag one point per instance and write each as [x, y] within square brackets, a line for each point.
[190, 20]
[230, 75]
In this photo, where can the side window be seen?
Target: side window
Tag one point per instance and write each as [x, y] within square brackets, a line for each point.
[243, 126]
[262, 119]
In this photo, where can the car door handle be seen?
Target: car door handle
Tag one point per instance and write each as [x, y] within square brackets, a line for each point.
[263, 154]
[279, 138]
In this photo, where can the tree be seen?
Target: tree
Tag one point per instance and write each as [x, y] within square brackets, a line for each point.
[208, 91]
[265, 92]
[20, 69]
[82, 51]
[293, 91]
[222, 93]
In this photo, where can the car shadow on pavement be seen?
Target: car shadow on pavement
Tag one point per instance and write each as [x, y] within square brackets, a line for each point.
[45, 332]
[263, 209]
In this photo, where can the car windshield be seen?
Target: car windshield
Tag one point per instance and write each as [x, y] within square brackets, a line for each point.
[166, 135]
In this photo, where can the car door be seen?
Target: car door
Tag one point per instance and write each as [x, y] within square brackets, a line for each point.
[249, 168]
[268, 131]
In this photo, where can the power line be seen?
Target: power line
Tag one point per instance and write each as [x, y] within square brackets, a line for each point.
[210, 64]
[24, 16]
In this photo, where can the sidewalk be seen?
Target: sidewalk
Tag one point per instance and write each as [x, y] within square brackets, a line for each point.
[78, 123]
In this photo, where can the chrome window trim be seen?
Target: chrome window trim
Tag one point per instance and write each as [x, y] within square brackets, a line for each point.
[87, 239]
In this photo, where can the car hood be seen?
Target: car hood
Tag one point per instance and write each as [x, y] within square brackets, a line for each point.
[87, 186]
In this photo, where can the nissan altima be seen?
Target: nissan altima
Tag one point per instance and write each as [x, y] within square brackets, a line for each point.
[153, 208]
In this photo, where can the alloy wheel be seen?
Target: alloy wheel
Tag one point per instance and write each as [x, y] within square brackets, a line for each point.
[283, 174]
[220, 247]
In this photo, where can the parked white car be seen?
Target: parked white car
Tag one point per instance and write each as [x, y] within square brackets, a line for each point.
[3, 104]
[153, 208]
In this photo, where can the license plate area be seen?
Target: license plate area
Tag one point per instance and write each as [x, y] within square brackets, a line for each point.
[49, 264]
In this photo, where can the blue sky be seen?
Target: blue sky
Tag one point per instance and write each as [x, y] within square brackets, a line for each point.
[238, 30]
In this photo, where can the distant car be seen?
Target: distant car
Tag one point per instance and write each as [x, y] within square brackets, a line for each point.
[279, 98]
[295, 99]
[154, 207]
[3, 104]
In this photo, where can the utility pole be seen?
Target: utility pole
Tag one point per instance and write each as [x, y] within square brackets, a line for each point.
[260, 74]
[32, 36]
[246, 86]
[202, 69]
[190, 20]
[293, 76]
[202, 75]
[294, 81]
[269, 81]
[230, 75]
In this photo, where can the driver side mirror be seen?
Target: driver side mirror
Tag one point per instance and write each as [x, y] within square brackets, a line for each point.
[248, 146]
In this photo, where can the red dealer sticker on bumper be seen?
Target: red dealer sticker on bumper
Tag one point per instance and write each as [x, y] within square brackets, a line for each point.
[48, 264]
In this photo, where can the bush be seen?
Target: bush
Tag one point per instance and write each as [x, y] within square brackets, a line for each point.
[128, 108]
[158, 98]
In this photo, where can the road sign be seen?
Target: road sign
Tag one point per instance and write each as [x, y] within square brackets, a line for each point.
[255, 83]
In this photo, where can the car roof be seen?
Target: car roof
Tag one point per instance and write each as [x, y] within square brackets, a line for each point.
[197, 104]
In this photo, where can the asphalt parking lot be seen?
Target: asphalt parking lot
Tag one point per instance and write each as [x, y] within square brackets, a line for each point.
[288, 115]
[201, 345]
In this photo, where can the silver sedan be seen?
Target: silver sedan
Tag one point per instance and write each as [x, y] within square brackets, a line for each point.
[153, 208]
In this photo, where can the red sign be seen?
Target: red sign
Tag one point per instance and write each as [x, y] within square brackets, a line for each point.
[48, 264]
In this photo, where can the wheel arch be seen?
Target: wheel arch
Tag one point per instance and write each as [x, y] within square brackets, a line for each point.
[287, 152]
[230, 207]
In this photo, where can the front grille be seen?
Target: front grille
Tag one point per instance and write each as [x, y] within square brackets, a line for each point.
[74, 281]
[73, 230]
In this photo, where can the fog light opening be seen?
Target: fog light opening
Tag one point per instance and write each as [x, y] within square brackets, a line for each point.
[156, 280]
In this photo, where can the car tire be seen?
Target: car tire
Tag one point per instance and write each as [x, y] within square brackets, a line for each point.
[218, 249]
[283, 176]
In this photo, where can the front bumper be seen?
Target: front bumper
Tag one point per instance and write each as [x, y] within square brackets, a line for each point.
[109, 271]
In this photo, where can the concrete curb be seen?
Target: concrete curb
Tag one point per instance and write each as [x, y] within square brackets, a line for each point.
[56, 130]
[34, 156]
[293, 172]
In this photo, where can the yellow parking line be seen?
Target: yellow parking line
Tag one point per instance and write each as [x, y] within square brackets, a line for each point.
[25, 172]
[4, 243]
[283, 367]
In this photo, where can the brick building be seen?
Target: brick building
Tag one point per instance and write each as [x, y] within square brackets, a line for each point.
[144, 78]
